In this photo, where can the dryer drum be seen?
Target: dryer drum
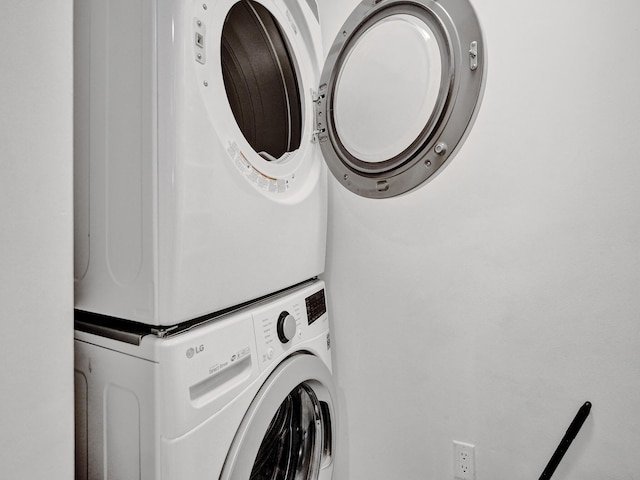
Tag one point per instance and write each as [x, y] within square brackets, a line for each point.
[260, 80]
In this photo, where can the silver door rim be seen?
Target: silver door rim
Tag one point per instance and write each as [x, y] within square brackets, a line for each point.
[445, 130]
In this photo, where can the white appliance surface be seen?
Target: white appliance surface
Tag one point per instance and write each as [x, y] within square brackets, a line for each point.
[176, 215]
[202, 128]
[198, 404]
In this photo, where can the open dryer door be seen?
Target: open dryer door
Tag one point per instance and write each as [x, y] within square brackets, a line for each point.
[399, 92]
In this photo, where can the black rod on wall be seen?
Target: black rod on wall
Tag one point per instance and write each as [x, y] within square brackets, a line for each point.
[571, 433]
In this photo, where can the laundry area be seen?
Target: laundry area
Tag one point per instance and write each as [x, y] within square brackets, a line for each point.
[343, 240]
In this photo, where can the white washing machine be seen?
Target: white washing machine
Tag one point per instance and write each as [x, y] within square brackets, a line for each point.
[202, 128]
[246, 396]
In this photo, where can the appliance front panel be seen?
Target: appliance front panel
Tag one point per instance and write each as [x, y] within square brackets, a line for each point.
[182, 216]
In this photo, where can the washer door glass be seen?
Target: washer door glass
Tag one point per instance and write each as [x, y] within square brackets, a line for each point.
[398, 93]
[292, 448]
[287, 433]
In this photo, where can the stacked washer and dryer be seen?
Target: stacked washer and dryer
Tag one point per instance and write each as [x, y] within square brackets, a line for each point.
[203, 346]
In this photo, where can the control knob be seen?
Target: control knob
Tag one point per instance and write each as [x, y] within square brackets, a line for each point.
[286, 327]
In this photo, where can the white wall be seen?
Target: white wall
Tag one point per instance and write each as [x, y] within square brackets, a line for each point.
[489, 305]
[36, 260]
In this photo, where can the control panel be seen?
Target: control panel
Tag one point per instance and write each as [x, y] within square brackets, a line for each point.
[280, 326]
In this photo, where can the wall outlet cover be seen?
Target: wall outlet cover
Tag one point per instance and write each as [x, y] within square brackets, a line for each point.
[464, 467]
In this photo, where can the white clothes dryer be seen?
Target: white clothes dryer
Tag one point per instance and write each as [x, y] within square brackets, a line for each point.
[201, 129]
[246, 396]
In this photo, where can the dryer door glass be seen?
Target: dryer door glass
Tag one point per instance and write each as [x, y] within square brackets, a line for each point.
[398, 106]
[399, 92]
[260, 80]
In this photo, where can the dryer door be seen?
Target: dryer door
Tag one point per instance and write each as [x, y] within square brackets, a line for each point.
[398, 93]
[288, 432]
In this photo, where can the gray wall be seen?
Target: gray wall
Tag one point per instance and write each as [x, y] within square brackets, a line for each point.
[485, 307]
[489, 305]
[36, 259]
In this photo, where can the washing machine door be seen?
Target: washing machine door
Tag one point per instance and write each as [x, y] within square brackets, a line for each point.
[398, 93]
[288, 432]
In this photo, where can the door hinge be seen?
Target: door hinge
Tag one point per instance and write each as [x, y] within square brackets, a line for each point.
[319, 133]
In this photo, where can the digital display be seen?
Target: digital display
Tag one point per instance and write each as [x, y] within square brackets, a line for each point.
[316, 306]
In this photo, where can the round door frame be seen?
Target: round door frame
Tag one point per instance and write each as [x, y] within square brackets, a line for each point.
[460, 38]
[295, 370]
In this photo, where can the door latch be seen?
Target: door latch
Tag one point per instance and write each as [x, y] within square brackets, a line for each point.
[473, 55]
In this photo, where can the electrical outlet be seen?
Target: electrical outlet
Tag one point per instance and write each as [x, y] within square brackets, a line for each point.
[464, 467]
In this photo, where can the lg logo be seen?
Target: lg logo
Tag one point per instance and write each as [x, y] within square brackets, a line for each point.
[191, 352]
